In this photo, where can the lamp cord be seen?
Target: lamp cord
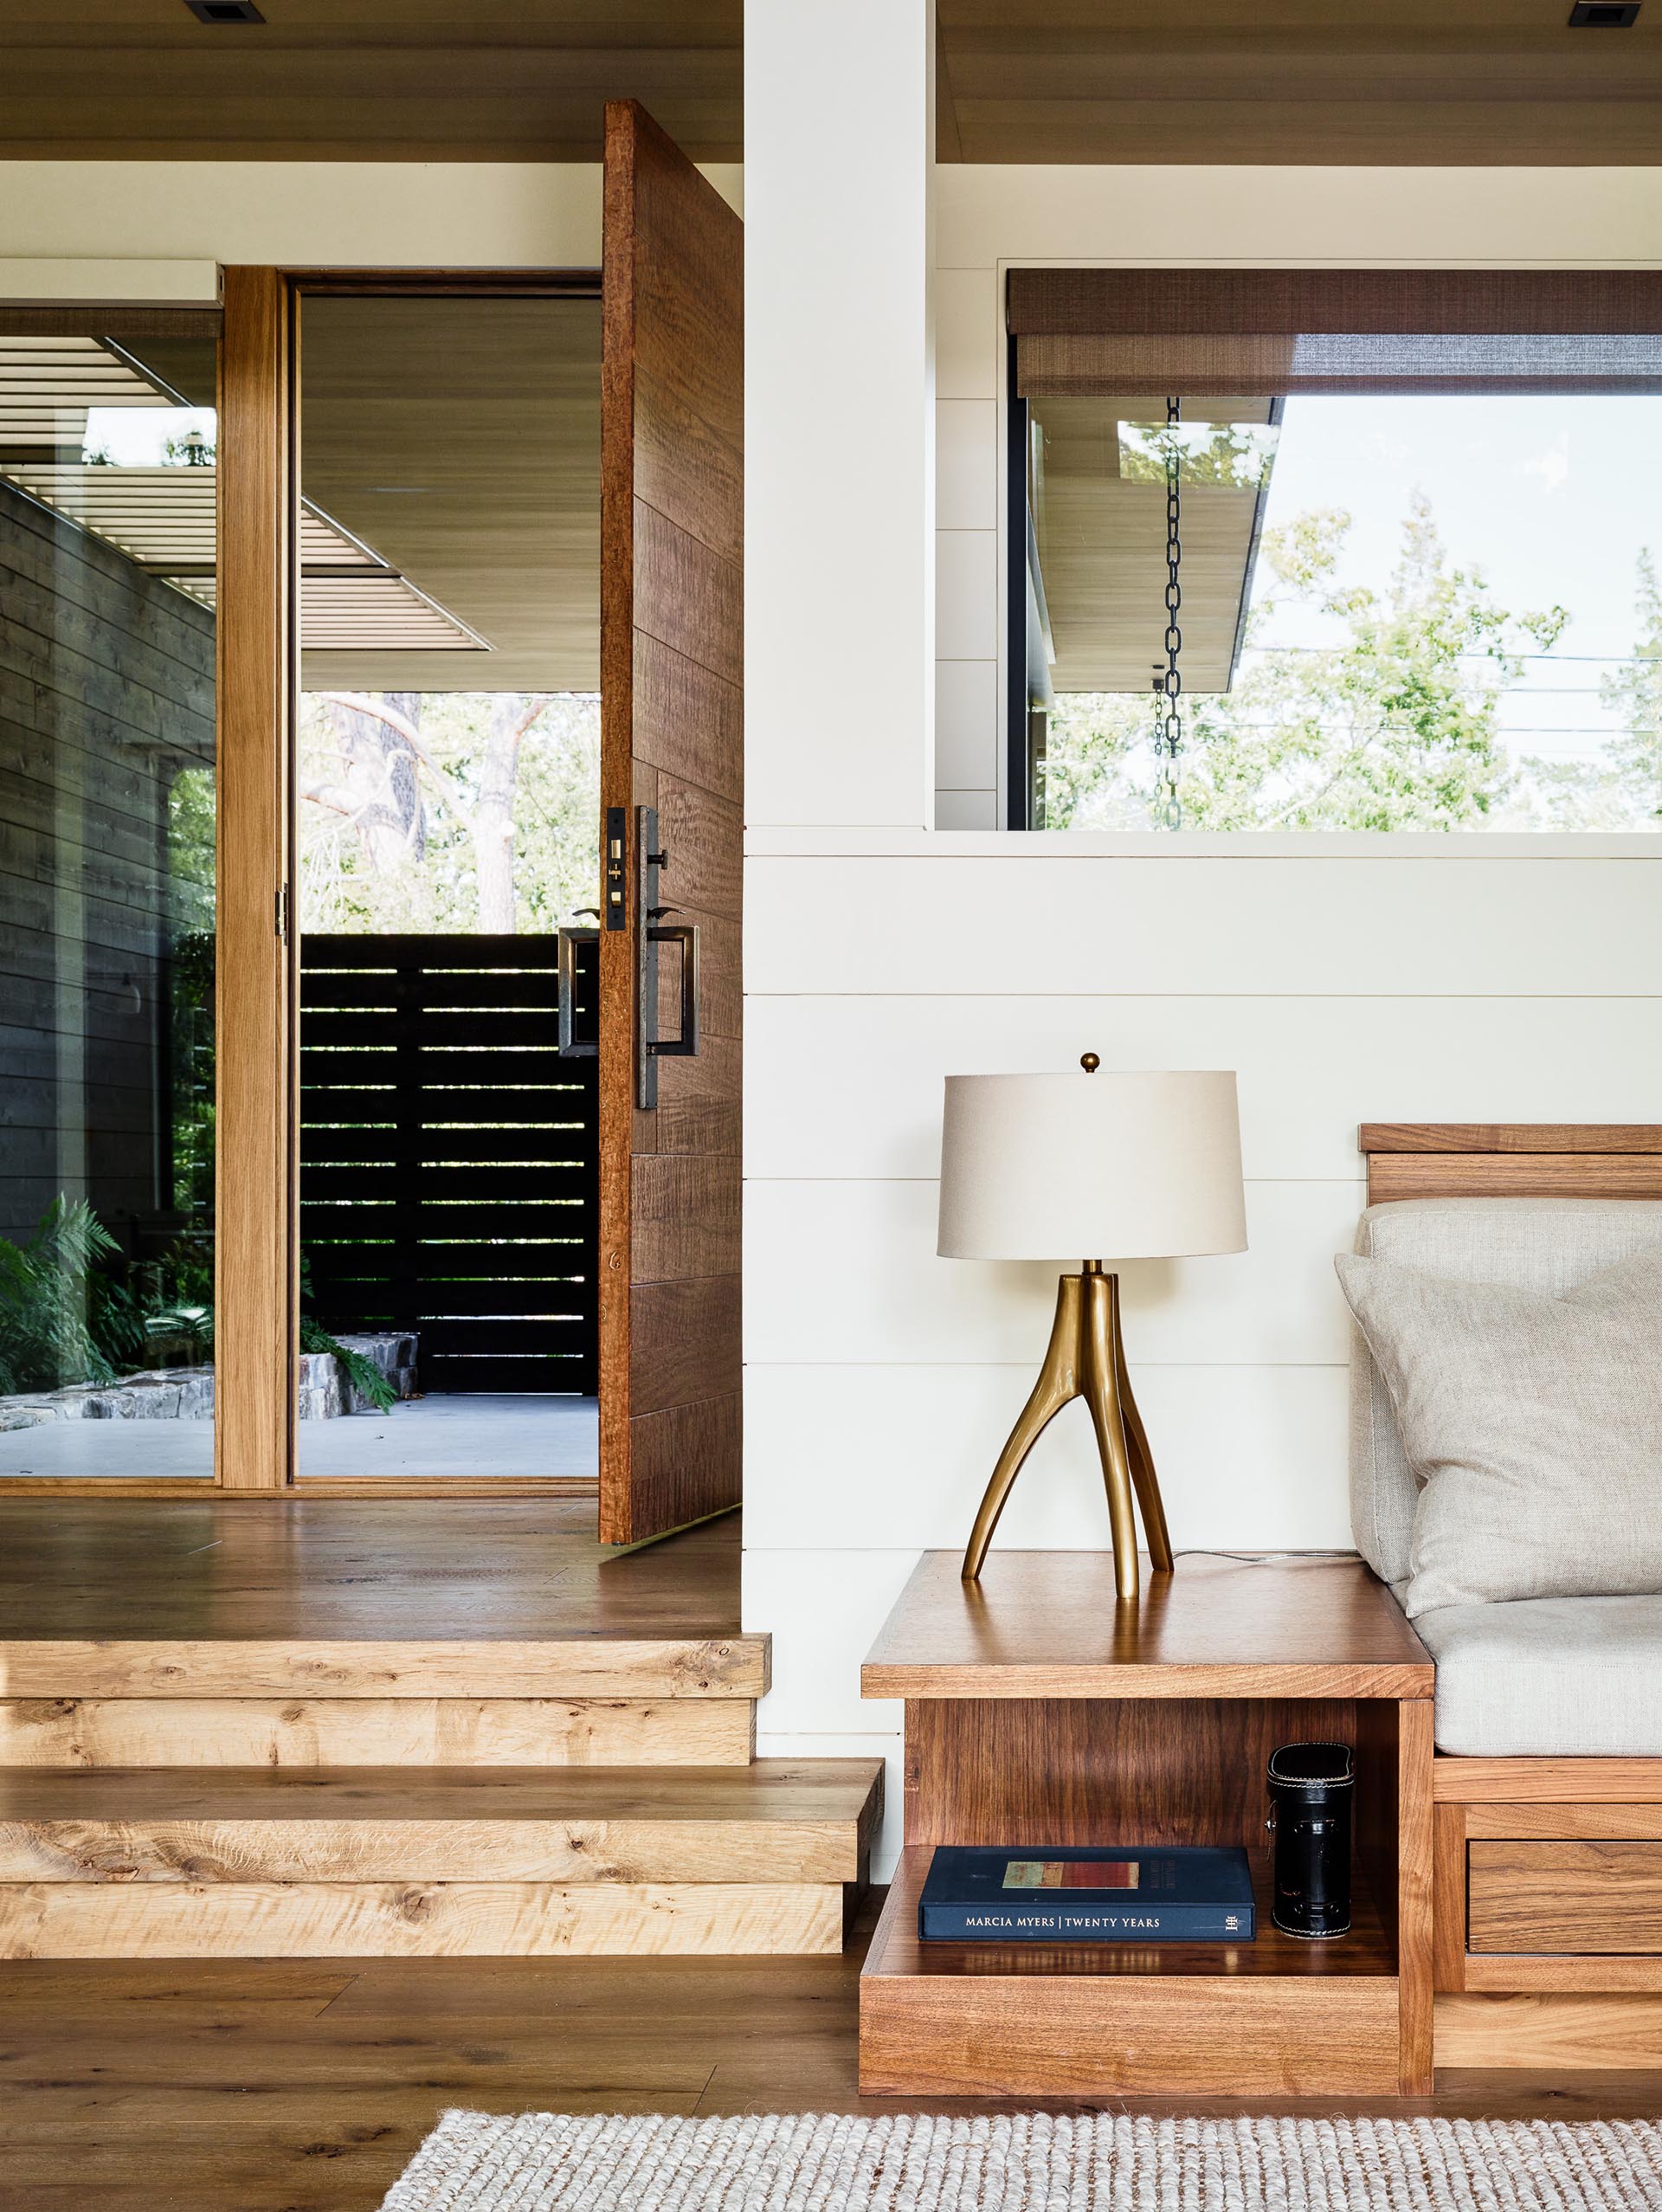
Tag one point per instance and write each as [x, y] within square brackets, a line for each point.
[1257, 1558]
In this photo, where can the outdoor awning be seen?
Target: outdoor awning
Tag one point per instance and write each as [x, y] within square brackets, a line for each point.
[163, 519]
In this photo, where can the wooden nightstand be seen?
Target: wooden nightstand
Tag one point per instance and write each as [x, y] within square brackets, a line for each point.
[1036, 1713]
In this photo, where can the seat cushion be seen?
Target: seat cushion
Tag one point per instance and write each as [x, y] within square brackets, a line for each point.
[1548, 1677]
[1545, 1245]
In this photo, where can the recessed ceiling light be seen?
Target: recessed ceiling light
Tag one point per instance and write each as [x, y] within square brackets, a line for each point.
[1604, 15]
[224, 11]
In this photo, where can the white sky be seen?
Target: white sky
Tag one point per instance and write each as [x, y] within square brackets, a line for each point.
[134, 436]
[1552, 496]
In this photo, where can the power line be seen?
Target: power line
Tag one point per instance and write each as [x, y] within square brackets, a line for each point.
[1515, 730]
[1603, 660]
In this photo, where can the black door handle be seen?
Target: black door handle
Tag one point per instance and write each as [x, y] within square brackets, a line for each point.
[686, 934]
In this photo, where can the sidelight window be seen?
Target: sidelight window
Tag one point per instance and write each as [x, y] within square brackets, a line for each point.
[107, 930]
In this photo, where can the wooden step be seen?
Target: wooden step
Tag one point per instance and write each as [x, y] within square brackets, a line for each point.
[347, 1731]
[568, 1666]
[380, 1862]
[777, 1821]
[428, 1921]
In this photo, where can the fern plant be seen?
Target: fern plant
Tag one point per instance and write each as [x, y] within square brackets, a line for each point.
[50, 1297]
[365, 1377]
[67, 1316]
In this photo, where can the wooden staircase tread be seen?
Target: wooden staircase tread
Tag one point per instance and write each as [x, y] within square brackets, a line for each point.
[782, 1821]
[598, 1663]
[776, 1792]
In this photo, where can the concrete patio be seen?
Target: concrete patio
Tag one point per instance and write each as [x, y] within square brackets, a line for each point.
[450, 1432]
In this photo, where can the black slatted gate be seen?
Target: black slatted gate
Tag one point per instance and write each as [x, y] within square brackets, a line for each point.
[449, 1175]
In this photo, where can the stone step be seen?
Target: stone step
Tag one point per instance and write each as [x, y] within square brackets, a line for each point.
[309, 1732]
[430, 1666]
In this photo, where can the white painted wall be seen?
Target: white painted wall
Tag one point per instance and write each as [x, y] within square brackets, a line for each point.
[1345, 979]
[840, 658]
[107, 222]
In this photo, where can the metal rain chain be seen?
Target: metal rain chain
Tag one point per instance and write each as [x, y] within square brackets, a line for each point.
[1168, 684]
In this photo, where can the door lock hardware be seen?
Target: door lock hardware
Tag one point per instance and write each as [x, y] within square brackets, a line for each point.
[614, 869]
[650, 857]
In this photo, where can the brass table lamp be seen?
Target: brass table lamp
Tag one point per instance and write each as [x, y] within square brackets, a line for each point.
[1134, 1166]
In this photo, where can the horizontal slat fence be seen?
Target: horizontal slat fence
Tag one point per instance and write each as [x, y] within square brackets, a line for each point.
[449, 1175]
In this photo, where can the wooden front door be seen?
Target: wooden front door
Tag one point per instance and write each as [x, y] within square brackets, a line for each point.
[672, 785]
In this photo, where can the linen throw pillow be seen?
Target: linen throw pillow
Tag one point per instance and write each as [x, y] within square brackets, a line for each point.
[1533, 1424]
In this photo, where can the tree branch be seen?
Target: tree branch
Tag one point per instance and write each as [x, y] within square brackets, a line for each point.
[379, 711]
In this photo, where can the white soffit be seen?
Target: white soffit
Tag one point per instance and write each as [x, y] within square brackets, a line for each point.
[105, 283]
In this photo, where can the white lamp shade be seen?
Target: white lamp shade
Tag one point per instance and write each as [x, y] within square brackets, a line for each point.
[1110, 1166]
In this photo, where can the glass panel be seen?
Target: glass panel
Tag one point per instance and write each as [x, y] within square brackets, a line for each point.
[106, 906]
[448, 822]
[1399, 611]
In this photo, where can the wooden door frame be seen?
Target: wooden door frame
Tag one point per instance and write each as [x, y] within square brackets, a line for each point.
[256, 1269]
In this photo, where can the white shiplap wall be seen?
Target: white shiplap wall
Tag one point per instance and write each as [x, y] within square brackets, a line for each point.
[1345, 979]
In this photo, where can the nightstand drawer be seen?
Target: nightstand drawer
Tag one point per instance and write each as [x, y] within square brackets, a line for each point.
[1565, 1897]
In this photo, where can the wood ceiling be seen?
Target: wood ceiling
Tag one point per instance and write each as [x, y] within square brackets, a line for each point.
[460, 438]
[1415, 82]
[364, 79]
[1391, 81]
[1102, 551]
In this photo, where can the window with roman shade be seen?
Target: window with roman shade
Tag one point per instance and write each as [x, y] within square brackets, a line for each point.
[1405, 523]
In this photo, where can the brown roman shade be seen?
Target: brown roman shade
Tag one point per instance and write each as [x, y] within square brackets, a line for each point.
[1086, 332]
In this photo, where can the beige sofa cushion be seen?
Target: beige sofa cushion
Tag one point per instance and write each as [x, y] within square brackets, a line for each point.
[1551, 1678]
[1541, 1244]
[1533, 1424]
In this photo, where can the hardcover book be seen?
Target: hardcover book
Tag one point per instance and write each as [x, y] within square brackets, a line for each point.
[1177, 1893]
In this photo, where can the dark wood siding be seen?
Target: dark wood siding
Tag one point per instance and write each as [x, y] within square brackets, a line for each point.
[107, 693]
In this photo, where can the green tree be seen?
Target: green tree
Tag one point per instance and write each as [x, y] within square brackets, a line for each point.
[1393, 727]
[448, 811]
[1622, 787]
[1234, 453]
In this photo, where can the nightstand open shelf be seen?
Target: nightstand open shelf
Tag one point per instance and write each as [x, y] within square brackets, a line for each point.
[1037, 1712]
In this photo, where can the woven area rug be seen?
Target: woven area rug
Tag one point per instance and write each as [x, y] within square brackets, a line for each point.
[1030, 2161]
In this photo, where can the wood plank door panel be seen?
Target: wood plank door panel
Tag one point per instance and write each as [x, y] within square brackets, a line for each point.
[672, 738]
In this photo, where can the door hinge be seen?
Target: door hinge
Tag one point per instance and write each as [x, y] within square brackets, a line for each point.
[282, 914]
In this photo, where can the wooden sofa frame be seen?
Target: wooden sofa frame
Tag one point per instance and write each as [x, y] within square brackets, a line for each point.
[1547, 1873]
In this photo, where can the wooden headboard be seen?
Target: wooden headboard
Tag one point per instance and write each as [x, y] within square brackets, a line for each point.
[1483, 1160]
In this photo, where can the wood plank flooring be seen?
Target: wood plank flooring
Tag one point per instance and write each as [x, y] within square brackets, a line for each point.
[331, 1570]
[300, 2086]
